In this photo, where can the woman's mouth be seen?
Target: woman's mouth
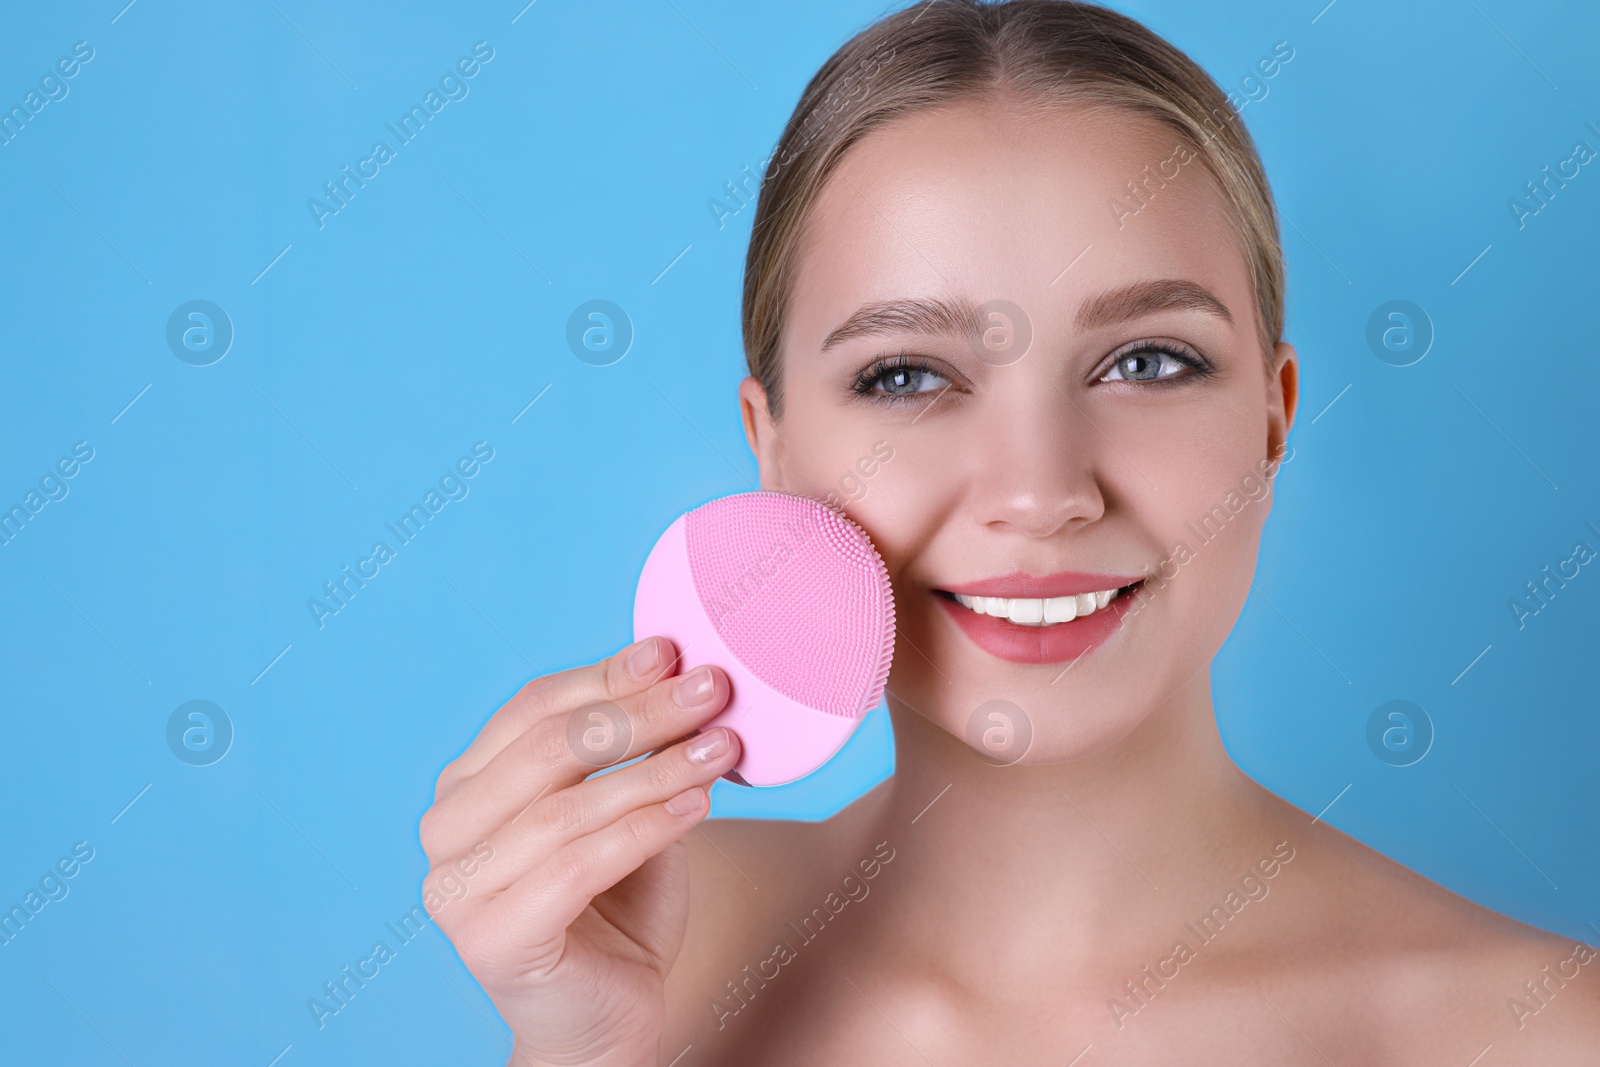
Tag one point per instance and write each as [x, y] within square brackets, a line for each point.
[1040, 629]
[1035, 611]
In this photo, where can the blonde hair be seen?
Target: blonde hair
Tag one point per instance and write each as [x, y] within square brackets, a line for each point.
[939, 52]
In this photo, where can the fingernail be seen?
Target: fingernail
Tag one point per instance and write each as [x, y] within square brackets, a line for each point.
[685, 802]
[708, 746]
[644, 659]
[693, 688]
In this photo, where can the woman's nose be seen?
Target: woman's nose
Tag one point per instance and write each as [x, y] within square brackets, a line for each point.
[1037, 471]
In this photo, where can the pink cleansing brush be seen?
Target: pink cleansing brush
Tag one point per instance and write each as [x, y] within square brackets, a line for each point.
[790, 599]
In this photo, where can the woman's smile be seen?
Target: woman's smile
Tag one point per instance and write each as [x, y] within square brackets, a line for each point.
[1080, 613]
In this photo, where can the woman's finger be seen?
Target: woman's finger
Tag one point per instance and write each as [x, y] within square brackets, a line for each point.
[631, 670]
[550, 824]
[559, 751]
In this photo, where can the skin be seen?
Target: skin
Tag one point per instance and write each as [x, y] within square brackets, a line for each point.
[994, 912]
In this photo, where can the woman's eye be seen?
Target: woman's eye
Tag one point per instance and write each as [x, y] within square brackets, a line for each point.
[908, 381]
[1146, 365]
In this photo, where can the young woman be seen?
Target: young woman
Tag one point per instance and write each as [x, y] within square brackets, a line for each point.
[1026, 250]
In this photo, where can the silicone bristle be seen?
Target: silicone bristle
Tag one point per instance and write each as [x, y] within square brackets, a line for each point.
[880, 677]
[812, 616]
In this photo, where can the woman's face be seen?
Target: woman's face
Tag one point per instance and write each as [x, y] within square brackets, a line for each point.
[1104, 414]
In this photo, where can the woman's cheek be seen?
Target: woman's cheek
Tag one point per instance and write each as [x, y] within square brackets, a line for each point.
[888, 496]
[1213, 537]
[847, 461]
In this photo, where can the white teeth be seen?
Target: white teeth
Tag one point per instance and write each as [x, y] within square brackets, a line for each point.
[1060, 609]
[1026, 612]
[1036, 611]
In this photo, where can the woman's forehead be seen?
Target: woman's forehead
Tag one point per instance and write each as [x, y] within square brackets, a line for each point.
[1043, 207]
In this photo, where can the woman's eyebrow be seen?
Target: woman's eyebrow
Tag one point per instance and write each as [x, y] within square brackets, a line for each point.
[962, 318]
[924, 315]
[1129, 302]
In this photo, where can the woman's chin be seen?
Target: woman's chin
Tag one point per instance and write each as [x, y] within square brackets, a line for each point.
[1013, 725]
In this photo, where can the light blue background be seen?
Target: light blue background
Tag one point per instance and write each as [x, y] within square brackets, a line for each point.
[431, 310]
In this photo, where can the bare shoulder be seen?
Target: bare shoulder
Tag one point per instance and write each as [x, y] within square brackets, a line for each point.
[1432, 969]
[745, 876]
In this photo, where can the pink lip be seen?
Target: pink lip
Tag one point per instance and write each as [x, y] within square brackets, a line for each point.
[1060, 643]
[1061, 583]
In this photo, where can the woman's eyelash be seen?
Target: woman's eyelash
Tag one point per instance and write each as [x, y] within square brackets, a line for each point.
[866, 382]
[1198, 365]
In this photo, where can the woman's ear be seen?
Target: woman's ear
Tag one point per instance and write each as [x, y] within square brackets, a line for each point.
[761, 431]
[1283, 397]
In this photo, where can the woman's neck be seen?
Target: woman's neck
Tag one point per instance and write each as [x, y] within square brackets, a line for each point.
[1005, 874]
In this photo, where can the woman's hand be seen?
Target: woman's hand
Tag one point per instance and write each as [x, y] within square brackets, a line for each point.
[575, 917]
